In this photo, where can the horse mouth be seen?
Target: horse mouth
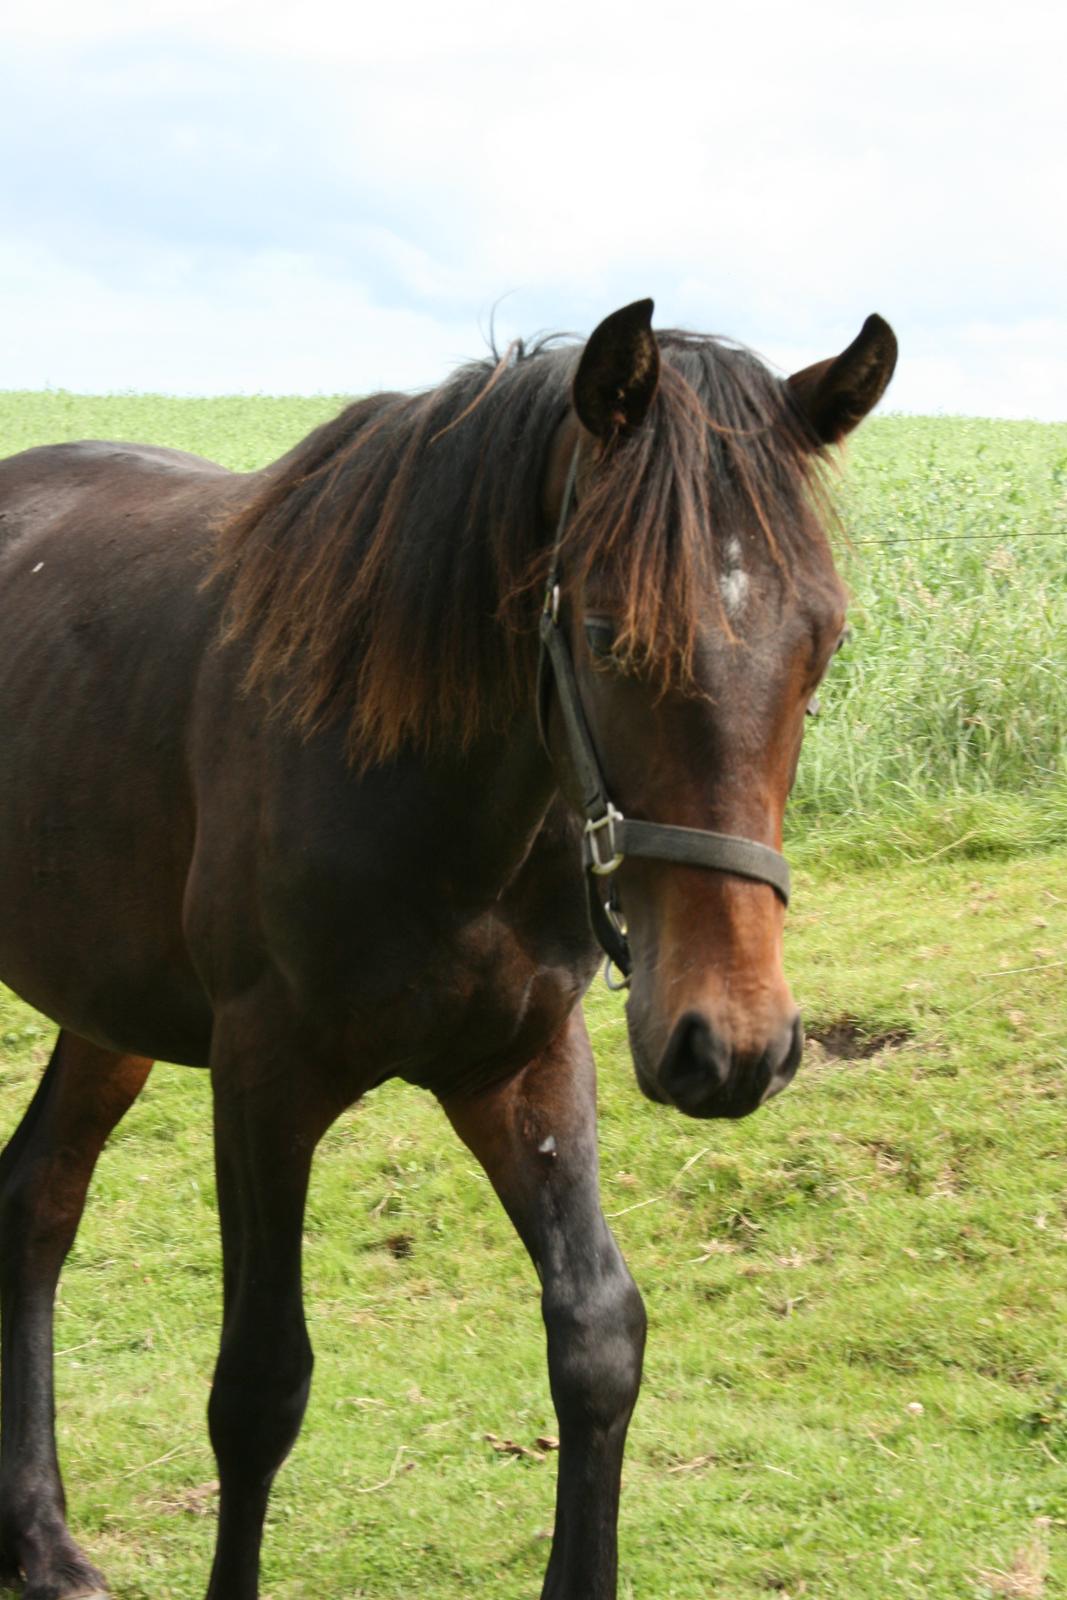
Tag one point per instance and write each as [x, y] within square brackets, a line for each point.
[648, 1087]
[700, 1077]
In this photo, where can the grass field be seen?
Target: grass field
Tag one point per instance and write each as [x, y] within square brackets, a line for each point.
[857, 1375]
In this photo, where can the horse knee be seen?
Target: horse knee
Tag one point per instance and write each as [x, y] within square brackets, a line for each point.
[38, 1217]
[19, 1188]
[257, 1403]
[596, 1341]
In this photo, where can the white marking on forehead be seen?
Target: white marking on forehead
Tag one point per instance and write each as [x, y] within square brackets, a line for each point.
[733, 581]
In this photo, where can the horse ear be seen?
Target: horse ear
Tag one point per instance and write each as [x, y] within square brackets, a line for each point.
[835, 395]
[618, 374]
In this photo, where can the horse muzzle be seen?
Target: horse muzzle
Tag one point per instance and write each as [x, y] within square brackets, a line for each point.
[701, 1075]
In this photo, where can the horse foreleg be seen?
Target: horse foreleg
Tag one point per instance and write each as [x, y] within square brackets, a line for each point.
[44, 1176]
[267, 1124]
[536, 1138]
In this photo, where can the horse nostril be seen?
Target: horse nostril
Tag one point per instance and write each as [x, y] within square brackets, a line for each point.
[782, 1060]
[795, 1046]
[696, 1065]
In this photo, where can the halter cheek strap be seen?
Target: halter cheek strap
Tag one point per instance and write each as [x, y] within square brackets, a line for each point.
[609, 837]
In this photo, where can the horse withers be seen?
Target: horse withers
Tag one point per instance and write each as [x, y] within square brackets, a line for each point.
[304, 778]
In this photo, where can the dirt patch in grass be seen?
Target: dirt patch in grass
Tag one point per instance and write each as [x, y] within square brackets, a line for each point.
[1025, 1578]
[848, 1039]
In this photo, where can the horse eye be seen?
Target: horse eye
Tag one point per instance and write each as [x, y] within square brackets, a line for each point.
[600, 636]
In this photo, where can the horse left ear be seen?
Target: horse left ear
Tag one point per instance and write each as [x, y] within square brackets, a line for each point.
[837, 394]
[618, 374]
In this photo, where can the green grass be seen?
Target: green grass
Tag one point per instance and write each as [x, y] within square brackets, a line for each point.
[889, 1235]
[243, 432]
[857, 1375]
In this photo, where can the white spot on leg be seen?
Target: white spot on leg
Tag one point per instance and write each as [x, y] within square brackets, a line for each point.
[733, 581]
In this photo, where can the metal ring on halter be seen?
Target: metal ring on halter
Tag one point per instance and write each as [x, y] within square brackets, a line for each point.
[613, 912]
[597, 863]
[613, 983]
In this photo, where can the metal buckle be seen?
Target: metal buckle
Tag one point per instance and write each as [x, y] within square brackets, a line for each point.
[602, 865]
[551, 605]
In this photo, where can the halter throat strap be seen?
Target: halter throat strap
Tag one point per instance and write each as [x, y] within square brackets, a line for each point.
[609, 837]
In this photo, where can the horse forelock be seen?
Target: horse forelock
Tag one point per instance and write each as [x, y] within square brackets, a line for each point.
[387, 573]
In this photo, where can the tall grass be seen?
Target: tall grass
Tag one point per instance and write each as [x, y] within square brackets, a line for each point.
[954, 682]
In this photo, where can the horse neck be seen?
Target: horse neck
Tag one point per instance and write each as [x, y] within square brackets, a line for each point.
[493, 801]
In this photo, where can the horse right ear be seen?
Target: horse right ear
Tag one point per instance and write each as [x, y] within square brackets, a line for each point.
[618, 374]
[837, 394]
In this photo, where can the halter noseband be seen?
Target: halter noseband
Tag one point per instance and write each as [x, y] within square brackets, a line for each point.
[609, 837]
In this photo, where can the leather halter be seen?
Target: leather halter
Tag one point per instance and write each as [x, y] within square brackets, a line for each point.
[610, 837]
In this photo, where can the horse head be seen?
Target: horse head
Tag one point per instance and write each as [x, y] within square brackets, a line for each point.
[701, 607]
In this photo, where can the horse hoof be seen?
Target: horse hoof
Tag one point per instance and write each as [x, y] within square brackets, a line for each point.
[61, 1572]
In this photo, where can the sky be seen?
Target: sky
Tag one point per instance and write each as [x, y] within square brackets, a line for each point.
[199, 196]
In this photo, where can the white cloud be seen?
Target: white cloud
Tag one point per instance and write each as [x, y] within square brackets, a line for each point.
[273, 322]
[228, 180]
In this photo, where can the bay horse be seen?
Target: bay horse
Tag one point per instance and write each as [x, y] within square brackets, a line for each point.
[305, 776]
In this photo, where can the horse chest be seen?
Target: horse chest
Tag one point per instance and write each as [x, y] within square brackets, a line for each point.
[405, 936]
[488, 1010]
[428, 986]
